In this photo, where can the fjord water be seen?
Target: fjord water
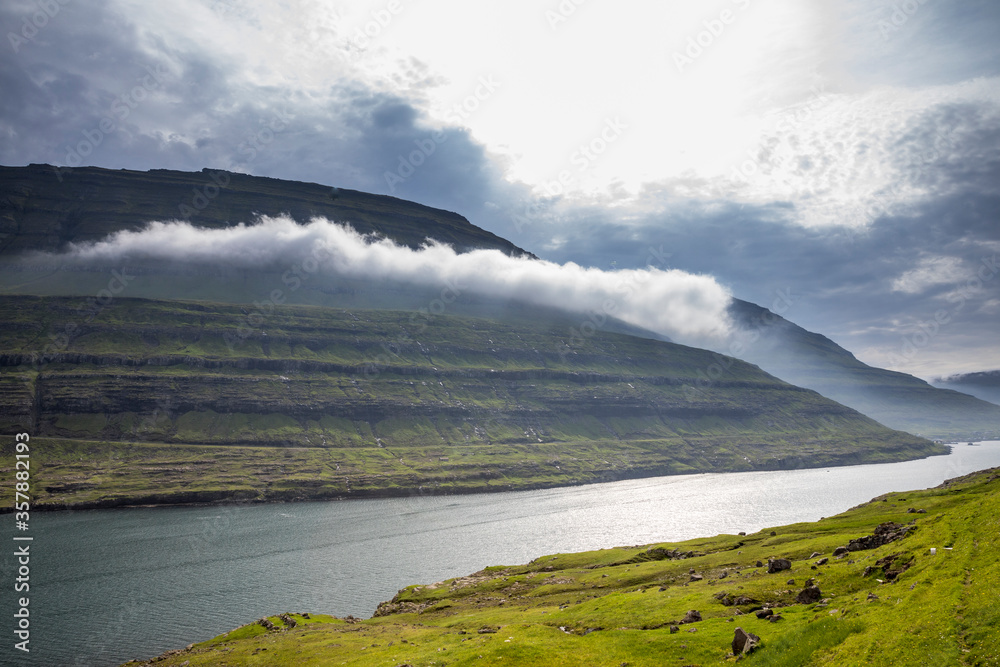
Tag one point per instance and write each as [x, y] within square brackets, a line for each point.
[107, 586]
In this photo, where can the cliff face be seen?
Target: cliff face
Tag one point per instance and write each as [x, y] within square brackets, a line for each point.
[44, 208]
[152, 370]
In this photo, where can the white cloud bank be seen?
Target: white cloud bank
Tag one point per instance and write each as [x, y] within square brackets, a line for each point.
[686, 307]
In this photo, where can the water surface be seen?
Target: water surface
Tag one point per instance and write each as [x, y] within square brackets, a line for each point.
[110, 585]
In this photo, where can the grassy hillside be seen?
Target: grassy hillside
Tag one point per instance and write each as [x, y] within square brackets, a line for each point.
[891, 605]
[897, 400]
[155, 401]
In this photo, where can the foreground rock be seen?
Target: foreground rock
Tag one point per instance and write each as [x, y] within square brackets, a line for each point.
[778, 564]
[809, 595]
[744, 642]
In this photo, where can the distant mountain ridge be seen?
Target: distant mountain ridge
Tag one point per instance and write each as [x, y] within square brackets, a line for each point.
[897, 400]
[984, 384]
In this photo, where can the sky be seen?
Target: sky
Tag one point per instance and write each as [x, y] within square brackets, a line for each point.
[842, 158]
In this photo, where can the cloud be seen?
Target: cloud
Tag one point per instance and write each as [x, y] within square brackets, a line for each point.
[875, 164]
[931, 272]
[683, 306]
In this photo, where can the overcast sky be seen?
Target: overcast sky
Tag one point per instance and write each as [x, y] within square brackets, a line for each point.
[845, 154]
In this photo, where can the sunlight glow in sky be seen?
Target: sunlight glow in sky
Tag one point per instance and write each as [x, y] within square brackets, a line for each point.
[846, 150]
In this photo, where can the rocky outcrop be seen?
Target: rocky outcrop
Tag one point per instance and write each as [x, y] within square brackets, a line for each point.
[884, 534]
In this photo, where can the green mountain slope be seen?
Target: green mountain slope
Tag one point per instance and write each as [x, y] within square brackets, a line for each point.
[168, 400]
[889, 605]
[897, 400]
[42, 209]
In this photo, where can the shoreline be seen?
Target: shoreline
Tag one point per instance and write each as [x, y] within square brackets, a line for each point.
[233, 499]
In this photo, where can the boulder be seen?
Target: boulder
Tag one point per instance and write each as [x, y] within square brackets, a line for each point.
[696, 577]
[823, 561]
[759, 564]
[744, 642]
[693, 616]
[674, 628]
[808, 595]
[765, 613]
[840, 551]
[776, 618]
[778, 564]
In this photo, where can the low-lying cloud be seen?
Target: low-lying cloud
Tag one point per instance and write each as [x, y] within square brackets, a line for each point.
[683, 306]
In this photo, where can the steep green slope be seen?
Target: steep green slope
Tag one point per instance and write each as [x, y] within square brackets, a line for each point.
[43, 208]
[329, 403]
[897, 400]
[893, 604]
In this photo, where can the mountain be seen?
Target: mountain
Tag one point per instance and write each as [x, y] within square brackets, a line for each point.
[898, 400]
[169, 401]
[904, 580]
[42, 208]
[984, 385]
[183, 383]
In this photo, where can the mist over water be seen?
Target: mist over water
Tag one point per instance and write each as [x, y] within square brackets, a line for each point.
[685, 307]
[111, 585]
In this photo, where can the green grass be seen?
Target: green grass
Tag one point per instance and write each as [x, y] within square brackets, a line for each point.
[455, 404]
[615, 606]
